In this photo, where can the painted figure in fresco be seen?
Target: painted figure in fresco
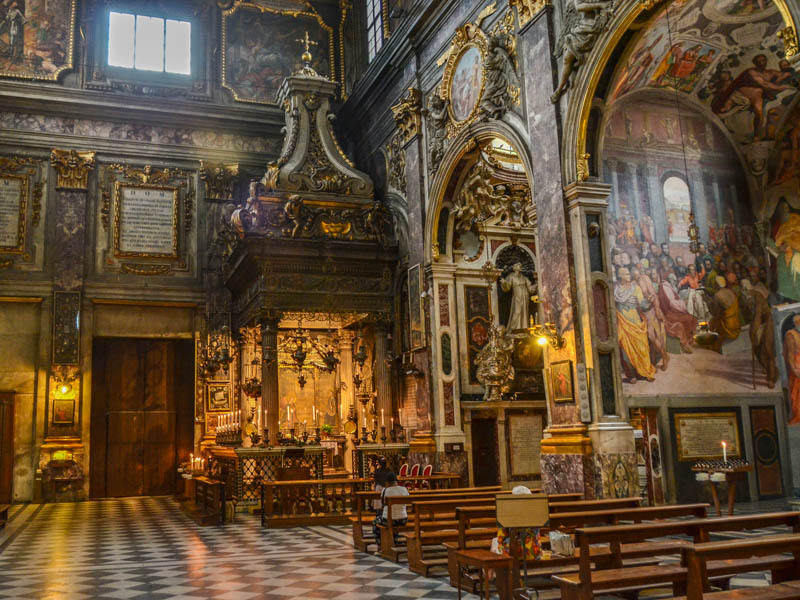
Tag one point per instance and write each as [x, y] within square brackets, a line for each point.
[695, 299]
[632, 327]
[521, 290]
[725, 308]
[14, 25]
[762, 333]
[638, 64]
[678, 321]
[789, 160]
[785, 244]
[791, 354]
[751, 88]
[651, 311]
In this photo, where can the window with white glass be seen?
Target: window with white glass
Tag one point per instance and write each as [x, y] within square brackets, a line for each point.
[149, 43]
[374, 27]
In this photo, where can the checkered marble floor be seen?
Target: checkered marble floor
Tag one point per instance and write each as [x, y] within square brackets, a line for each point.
[145, 548]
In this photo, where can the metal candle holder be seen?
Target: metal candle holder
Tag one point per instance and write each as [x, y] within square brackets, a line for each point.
[364, 437]
[317, 437]
[383, 434]
[393, 434]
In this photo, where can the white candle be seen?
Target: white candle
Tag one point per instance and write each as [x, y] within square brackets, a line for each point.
[391, 420]
[724, 452]
[288, 417]
[365, 421]
[314, 414]
[382, 421]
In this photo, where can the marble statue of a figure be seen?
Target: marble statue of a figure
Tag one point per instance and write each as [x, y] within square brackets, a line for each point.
[521, 290]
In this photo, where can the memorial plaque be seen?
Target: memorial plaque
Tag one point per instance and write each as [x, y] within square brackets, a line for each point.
[146, 221]
[525, 444]
[13, 194]
[699, 436]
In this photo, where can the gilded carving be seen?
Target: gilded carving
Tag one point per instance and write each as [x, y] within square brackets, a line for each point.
[527, 9]
[219, 180]
[144, 270]
[396, 164]
[72, 168]
[789, 37]
[583, 167]
[583, 22]
[494, 369]
[297, 214]
[407, 114]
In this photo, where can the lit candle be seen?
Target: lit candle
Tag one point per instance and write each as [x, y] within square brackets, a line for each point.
[314, 414]
[365, 421]
[724, 452]
[288, 417]
[391, 420]
[191, 462]
[382, 421]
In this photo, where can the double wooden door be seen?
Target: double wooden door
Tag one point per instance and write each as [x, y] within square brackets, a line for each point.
[142, 415]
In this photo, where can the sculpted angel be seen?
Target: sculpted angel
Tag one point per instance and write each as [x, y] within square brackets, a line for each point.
[501, 77]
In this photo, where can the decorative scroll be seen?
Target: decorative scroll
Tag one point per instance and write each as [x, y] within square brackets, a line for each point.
[146, 220]
[13, 202]
[66, 328]
[700, 435]
[524, 443]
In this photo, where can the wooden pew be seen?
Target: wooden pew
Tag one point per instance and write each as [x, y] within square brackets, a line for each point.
[605, 504]
[586, 582]
[697, 559]
[4, 514]
[546, 568]
[364, 517]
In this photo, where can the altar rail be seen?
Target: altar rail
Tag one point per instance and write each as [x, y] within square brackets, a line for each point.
[243, 469]
[326, 501]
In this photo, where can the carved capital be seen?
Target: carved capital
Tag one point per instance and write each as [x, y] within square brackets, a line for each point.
[219, 180]
[527, 9]
[73, 168]
[408, 114]
[789, 37]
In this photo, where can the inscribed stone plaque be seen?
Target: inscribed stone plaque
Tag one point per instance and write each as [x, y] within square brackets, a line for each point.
[700, 435]
[146, 221]
[525, 443]
[12, 212]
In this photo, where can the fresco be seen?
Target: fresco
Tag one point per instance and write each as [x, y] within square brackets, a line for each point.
[788, 340]
[255, 64]
[664, 291]
[36, 38]
[723, 54]
[467, 81]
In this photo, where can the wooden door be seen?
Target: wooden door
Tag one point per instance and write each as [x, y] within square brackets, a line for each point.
[485, 463]
[6, 446]
[142, 405]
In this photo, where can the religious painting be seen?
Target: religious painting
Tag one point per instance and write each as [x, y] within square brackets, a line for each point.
[788, 342]
[466, 83]
[478, 321]
[691, 314]
[218, 398]
[416, 319]
[146, 220]
[561, 376]
[36, 38]
[262, 44]
[13, 201]
[64, 411]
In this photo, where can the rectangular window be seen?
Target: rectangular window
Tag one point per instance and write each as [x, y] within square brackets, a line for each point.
[374, 27]
[149, 43]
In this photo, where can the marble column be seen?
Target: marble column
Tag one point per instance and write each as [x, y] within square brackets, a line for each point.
[565, 467]
[613, 165]
[717, 202]
[269, 376]
[657, 207]
[383, 375]
[699, 203]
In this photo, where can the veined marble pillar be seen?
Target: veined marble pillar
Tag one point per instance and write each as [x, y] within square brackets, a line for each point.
[347, 393]
[613, 452]
[269, 376]
[383, 375]
[566, 449]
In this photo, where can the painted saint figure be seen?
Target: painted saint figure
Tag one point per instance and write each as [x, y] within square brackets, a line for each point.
[791, 354]
[521, 290]
[632, 328]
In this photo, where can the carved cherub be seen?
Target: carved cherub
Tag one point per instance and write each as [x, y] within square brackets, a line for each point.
[583, 22]
[378, 221]
[297, 213]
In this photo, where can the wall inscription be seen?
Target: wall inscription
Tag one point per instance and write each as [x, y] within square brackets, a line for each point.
[146, 221]
[12, 213]
[525, 442]
[700, 435]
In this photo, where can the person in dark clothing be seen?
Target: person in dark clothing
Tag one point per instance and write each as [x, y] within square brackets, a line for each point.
[379, 478]
[399, 514]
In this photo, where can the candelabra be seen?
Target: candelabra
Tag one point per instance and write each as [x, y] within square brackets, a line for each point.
[229, 429]
[216, 354]
[383, 434]
[393, 434]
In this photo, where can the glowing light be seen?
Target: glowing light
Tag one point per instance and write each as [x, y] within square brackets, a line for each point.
[542, 341]
[64, 389]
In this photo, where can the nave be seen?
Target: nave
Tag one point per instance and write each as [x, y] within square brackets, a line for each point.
[146, 548]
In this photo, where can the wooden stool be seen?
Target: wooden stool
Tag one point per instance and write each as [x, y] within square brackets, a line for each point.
[485, 560]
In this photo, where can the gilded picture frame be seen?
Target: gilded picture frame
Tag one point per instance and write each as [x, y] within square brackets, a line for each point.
[470, 40]
[562, 381]
[119, 192]
[709, 445]
[218, 398]
[39, 54]
[22, 206]
[308, 13]
[64, 411]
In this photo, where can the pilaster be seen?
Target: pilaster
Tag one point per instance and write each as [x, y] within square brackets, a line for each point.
[269, 376]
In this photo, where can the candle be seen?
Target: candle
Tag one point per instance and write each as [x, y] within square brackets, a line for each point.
[314, 414]
[382, 421]
[191, 461]
[365, 421]
[391, 420]
[724, 452]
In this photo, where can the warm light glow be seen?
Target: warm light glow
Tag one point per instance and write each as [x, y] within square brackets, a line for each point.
[542, 341]
[64, 389]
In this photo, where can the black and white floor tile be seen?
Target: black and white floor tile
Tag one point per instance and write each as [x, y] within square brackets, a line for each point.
[145, 548]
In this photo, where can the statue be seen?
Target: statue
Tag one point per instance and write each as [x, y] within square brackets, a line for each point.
[438, 119]
[296, 212]
[521, 290]
[501, 77]
[583, 22]
[244, 218]
[477, 200]
[494, 369]
[378, 222]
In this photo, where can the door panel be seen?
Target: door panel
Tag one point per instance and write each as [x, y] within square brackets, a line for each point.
[159, 453]
[485, 467]
[125, 452]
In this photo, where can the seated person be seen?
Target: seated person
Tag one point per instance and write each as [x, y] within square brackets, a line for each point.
[399, 514]
[379, 482]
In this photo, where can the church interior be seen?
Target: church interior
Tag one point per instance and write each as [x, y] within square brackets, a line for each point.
[399, 299]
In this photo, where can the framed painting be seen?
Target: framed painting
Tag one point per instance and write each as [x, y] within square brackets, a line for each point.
[254, 65]
[466, 83]
[13, 203]
[561, 379]
[218, 398]
[37, 38]
[64, 411]
[416, 321]
[145, 220]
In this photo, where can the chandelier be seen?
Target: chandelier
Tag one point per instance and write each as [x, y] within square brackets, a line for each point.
[306, 351]
[216, 355]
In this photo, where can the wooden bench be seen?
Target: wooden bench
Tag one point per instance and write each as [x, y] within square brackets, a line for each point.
[364, 517]
[544, 569]
[4, 514]
[740, 552]
[586, 582]
[606, 504]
